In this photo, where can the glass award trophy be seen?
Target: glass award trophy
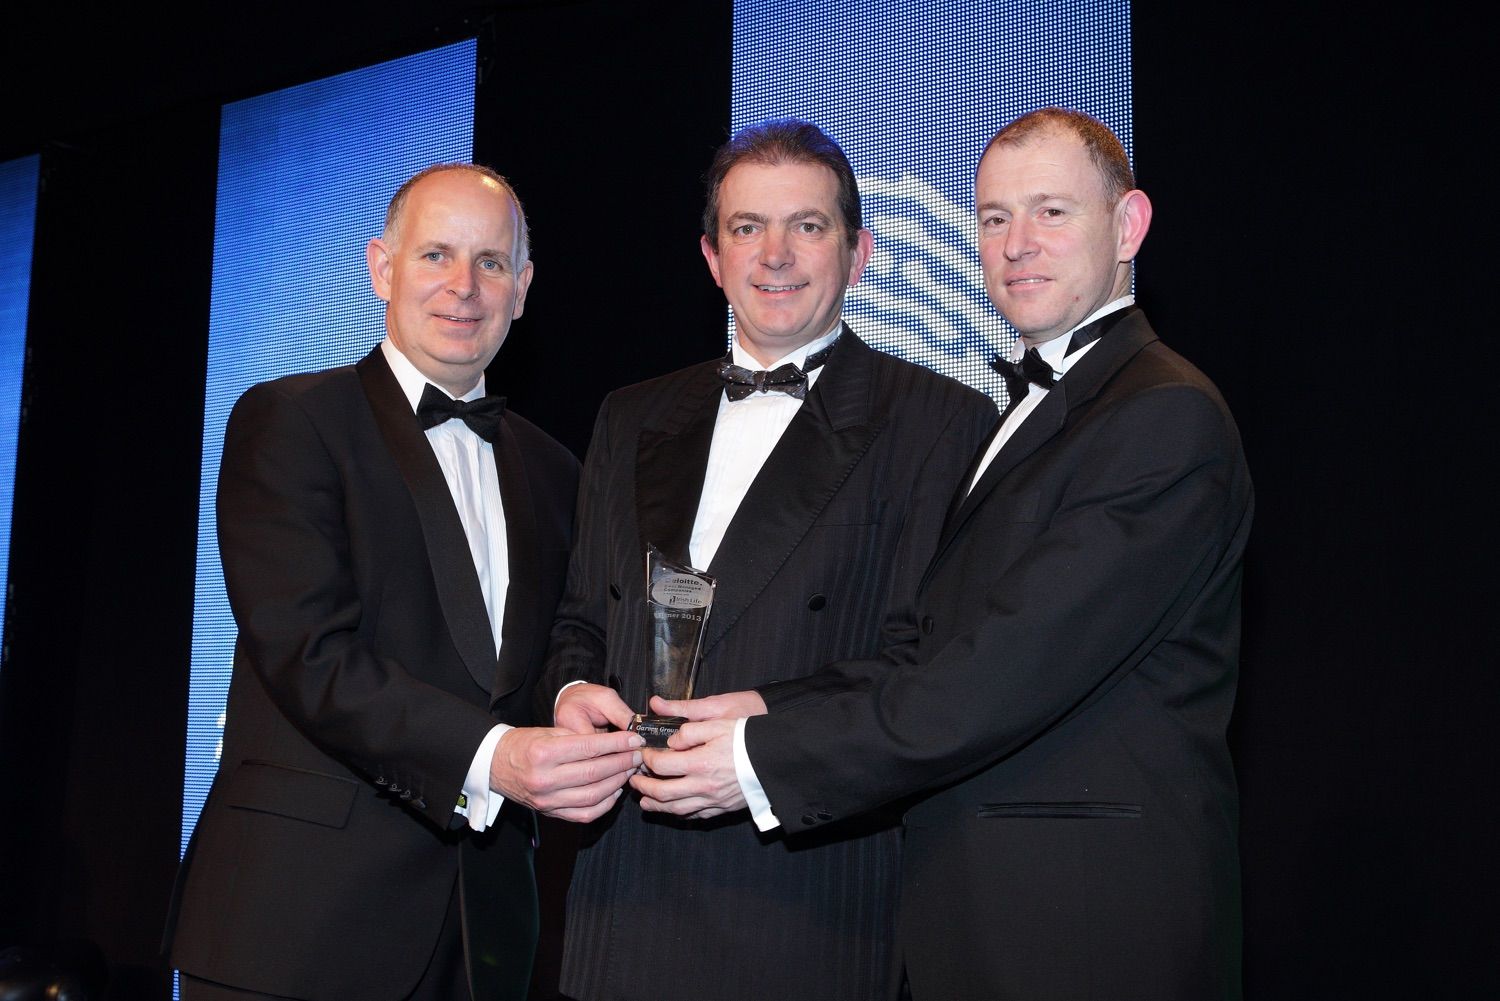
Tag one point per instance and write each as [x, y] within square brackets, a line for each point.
[678, 599]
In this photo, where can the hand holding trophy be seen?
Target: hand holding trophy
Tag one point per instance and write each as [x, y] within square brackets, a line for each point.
[678, 599]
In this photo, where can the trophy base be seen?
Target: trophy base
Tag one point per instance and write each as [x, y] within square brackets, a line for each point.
[656, 729]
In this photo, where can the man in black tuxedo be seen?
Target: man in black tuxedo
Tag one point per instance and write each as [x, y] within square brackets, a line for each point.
[394, 543]
[814, 496]
[1061, 711]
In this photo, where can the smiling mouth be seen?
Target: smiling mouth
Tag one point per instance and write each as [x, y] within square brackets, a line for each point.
[1024, 281]
[458, 319]
[780, 288]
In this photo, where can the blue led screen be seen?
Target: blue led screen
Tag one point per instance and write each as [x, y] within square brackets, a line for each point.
[304, 177]
[913, 93]
[18, 189]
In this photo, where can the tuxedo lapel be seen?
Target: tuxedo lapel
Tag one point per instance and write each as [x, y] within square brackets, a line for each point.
[830, 433]
[447, 546]
[671, 461]
[962, 493]
[519, 631]
[1040, 425]
[1082, 383]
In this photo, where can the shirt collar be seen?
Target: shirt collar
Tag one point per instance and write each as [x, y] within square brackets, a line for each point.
[1055, 351]
[797, 357]
[413, 381]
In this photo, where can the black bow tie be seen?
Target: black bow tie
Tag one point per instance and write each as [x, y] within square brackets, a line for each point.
[1031, 368]
[740, 382]
[482, 415]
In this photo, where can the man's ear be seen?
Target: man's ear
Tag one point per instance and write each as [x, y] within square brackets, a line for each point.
[523, 282]
[1133, 217]
[378, 258]
[864, 246]
[711, 256]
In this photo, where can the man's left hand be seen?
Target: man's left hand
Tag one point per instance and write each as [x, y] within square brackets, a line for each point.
[695, 777]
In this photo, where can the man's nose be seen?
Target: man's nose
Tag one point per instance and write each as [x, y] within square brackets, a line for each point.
[1019, 239]
[463, 282]
[775, 249]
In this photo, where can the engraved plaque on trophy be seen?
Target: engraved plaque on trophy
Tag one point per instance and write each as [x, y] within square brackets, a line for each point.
[678, 599]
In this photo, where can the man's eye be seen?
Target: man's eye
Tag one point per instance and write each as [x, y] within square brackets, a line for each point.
[743, 230]
[433, 255]
[992, 222]
[809, 228]
[1053, 213]
[491, 265]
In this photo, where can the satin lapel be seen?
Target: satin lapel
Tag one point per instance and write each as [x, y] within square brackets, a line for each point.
[670, 463]
[1082, 383]
[447, 546]
[830, 433]
[520, 630]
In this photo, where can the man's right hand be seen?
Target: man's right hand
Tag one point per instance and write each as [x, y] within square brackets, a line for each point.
[571, 776]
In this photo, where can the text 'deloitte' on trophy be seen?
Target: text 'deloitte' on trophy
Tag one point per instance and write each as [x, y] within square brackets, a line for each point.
[678, 599]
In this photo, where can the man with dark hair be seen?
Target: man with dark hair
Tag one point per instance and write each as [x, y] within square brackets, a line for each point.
[813, 494]
[1060, 713]
[394, 544]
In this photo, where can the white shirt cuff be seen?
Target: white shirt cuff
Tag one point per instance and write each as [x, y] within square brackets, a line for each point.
[755, 796]
[558, 698]
[483, 803]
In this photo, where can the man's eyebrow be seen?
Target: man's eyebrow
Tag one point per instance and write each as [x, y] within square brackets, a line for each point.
[746, 216]
[1032, 199]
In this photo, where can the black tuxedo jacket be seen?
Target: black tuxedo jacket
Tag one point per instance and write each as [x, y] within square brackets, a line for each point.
[365, 678]
[836, 527]
[1062, 708]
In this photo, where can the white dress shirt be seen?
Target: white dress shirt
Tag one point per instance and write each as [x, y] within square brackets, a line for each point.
[745, 432]
[1052, 353]
[468, 464]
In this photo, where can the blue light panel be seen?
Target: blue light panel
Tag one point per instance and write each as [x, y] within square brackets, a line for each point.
[18, 185]
[304, 178]
[913, 93]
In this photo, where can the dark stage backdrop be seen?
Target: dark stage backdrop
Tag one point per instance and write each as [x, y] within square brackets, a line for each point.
[1314, 250]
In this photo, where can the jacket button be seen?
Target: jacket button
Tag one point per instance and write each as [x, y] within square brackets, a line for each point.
[824, 815]
[807, 818]
[614, 591]
[816, 603]
[927, 625]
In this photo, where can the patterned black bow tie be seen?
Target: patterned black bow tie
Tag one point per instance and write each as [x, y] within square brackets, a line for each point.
[740, 382]
[1031, 368]
[482, 415]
